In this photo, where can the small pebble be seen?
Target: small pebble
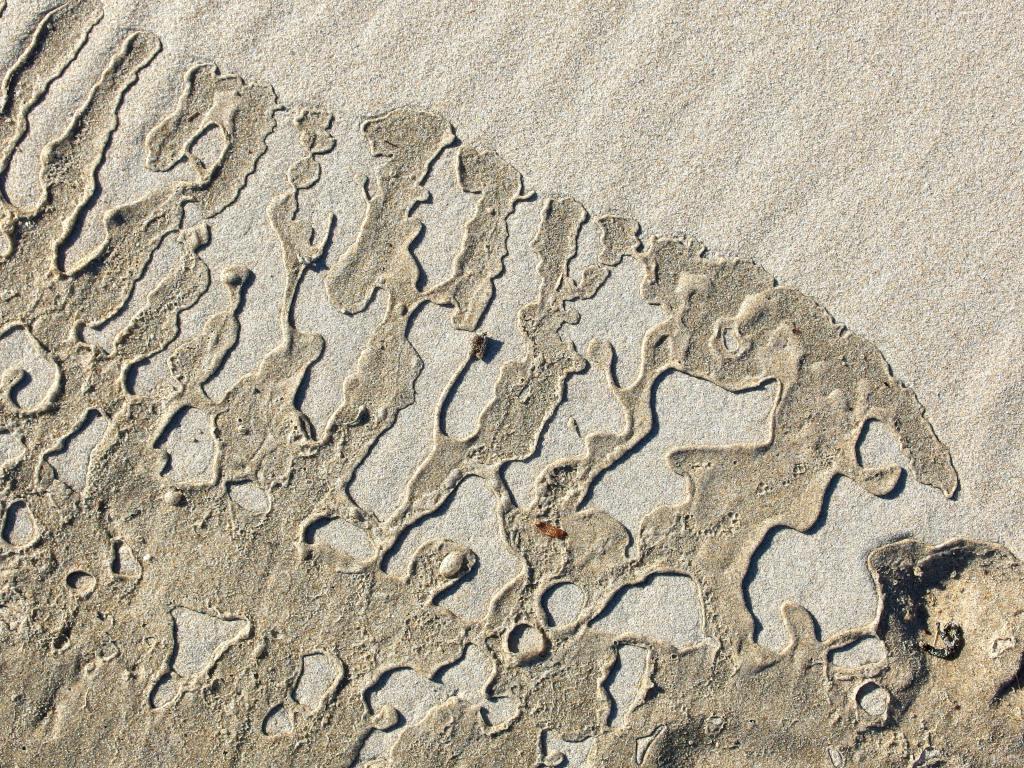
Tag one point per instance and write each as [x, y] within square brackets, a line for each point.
[174, 498]
[236, 276]
[452, 565]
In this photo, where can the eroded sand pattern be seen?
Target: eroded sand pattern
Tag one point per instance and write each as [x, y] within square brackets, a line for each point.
[248, 611]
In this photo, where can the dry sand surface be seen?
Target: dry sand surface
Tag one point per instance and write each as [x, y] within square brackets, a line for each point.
[867, 155]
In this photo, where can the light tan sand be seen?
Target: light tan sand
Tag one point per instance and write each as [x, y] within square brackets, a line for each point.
[867, 156]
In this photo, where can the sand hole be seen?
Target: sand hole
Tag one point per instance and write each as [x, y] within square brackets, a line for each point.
[250, 497]
[208, 147]
[61, 641]
[666, 607]
[468, 677]
[409, 696]
[873, 699]
[12, 448]
[644, 743]
[188, 441]
[148, 377]
[81, 583]
[526, 643]
[319, 673]
[164, 692]
[19, 350]
[870, 650]
[562, 603]
[688, 412]
[123, 561]
[201, 639]
[625, 680]
[71, 463]
[730, 339]
[19, 525]
[500, 710]
[878, 446]
[277, 722]
[588, 247]
[341, 535]
[559, 753]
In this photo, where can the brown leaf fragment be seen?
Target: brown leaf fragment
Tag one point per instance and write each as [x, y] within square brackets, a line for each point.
[479, 346]
[551, 531]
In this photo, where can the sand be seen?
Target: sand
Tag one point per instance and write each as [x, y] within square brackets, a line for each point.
[866, 157]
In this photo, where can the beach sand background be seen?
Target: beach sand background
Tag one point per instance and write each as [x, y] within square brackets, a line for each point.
[868, 154]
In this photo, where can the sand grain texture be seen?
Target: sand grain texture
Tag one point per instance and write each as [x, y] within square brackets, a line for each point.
[398, 385]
